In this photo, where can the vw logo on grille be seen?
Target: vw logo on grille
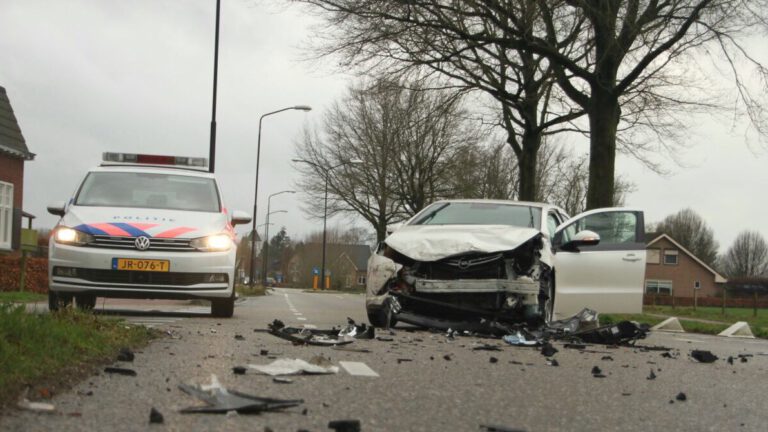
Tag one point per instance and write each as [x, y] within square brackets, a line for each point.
[142, 243]
[463, 264]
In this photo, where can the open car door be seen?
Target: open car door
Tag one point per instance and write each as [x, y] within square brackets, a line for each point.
[607, 277]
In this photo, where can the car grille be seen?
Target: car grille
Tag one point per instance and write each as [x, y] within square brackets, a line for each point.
[489, 266]
[150, 278]
[156, 244]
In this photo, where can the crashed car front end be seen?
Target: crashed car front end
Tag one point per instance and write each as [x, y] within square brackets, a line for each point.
[464, 279]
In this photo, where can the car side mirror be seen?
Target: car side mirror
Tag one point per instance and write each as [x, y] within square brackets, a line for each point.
[393, 227]
[58, 208]
[581, 239]
[240, 217]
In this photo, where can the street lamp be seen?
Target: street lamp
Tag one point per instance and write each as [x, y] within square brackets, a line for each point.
[325, 205]
[266, 230]
[256, 188]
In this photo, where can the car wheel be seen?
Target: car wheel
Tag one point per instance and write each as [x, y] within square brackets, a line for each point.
[378, 317]
[223, 308]
[58, 300]
[85, 301]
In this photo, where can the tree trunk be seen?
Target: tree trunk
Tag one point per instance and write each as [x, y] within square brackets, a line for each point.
[526, 163]
[604, 113]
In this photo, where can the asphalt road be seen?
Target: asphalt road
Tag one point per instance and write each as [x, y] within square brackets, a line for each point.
[417, 389]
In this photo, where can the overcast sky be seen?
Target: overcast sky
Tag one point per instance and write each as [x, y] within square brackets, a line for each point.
[88, 76]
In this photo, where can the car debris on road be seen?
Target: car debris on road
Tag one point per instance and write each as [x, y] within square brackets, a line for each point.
[220, 400]
[318, 365]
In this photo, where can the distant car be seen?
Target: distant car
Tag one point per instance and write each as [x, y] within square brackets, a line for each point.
[460, 260]
[144, 226]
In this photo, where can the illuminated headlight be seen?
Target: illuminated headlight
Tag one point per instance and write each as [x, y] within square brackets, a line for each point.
[66, 235]
[213, 243]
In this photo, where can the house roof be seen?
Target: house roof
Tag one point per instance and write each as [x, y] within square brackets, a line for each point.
[357, 254]
[718, 277]
[11, 140]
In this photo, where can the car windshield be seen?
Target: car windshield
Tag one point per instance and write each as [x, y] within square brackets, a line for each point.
[149, 190]
[480, 213]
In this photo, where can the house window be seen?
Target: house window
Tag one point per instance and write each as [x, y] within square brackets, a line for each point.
[658, 287]
[670, 256]
[652, 256]
[361, 280]
[6, 215]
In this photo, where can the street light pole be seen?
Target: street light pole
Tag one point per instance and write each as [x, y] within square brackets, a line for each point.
[212, 147]
[266, 232]
[256, 187]
[325, 205]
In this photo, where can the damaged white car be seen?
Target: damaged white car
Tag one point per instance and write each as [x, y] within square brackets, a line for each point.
[460, 262]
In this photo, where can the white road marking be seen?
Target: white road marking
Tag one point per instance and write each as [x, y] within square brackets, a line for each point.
[301, 318]
[358, 369]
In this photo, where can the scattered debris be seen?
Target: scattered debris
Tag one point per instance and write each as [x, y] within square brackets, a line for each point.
[220, 400]
[264, 352]
[120, 371]
[350, 349]
[575, 346]
[606, 358]
[305, 336]
[447, 357]
[155, 416]
[703, 356]
[553, 362]
[358, 369]
[597, 372]
[401, 360]
[622, 333]
[730, 360]
[318, 365]
[239, 337]
[486, 347]
[547, 350]
[282, 380]
[125, 355]
[43, 407]
[651, 376]
[344, 425]
[583, 321]
[519, 339]
[493, 360]
[239, 370]
[681, 397]
[384, 338]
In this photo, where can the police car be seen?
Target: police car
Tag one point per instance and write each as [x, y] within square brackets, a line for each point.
[144, 226]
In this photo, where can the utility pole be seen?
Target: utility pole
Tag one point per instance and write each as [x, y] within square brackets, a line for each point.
[212, 149]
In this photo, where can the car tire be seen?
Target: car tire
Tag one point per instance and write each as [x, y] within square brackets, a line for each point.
[85, 301]
[547, 299]
[378, 318]
[223, 308]
[58, 300]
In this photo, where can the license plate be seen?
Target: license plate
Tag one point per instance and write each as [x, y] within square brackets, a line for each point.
[141, 264]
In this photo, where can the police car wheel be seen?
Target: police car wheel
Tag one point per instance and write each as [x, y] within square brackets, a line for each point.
[58, 300]
[85, 301]
[223, 308]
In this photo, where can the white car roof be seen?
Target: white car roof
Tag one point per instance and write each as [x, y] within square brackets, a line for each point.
[153, 169]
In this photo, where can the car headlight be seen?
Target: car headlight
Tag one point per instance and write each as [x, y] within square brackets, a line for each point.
[212, 243]
[69, 236]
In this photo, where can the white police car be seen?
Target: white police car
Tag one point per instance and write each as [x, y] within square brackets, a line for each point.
[144, 226]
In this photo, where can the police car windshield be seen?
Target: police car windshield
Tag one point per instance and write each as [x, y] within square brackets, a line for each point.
[148, 190]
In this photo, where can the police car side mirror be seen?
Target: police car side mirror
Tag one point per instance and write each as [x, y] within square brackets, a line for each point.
[240, 217]
[57, 208]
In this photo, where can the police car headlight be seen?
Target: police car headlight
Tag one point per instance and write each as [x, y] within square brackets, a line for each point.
[213, 243]
[66, 235]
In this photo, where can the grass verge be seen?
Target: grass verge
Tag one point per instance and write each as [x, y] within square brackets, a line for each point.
[688, 325]
[247, 291]
[55, 349]
[21, 297]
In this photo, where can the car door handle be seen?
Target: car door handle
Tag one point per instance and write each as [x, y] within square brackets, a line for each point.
[630, 258]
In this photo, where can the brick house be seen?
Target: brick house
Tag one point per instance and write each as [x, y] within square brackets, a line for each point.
[13, 154]
[352, 266]
[673, 270]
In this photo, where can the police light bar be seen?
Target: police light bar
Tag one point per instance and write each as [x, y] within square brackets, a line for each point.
[134, 158]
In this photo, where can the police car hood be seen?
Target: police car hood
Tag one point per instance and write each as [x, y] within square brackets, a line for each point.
[155, 223]
[436, 242]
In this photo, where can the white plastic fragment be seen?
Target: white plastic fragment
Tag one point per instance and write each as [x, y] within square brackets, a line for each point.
[36, 406]
[739, 329]
[287, 366]
[358, 369]
[671, 324]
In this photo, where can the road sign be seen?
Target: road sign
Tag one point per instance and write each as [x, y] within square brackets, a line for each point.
[315, 271]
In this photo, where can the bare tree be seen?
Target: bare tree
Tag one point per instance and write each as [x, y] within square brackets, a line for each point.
[691, 231]
[620, 62]
[406, 139]
[747, 257]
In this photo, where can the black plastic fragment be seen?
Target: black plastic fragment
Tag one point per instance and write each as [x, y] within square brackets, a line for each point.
[730, 360]
[493, 360]
[264, 352]
[447, 357]
[401, 360]
[344, 425]
[155, 416]
[703, 356]
[606, 358]
[681, 397]
[597, 372]
[120, 371]
[125, 355]
[554, 362]
[239, 337]
[651, 376]
[239, 370]
[547, 350]
[486, 347]
[622, 333]
[221, 401]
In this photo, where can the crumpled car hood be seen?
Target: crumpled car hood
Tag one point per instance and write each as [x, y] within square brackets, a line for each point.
[436, 242]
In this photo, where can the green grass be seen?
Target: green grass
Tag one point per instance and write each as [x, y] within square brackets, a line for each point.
[38, 348]
[247, 291]
[21, 297]
[758, 325]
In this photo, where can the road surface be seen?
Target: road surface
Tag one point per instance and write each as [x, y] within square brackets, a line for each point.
[426, 382]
